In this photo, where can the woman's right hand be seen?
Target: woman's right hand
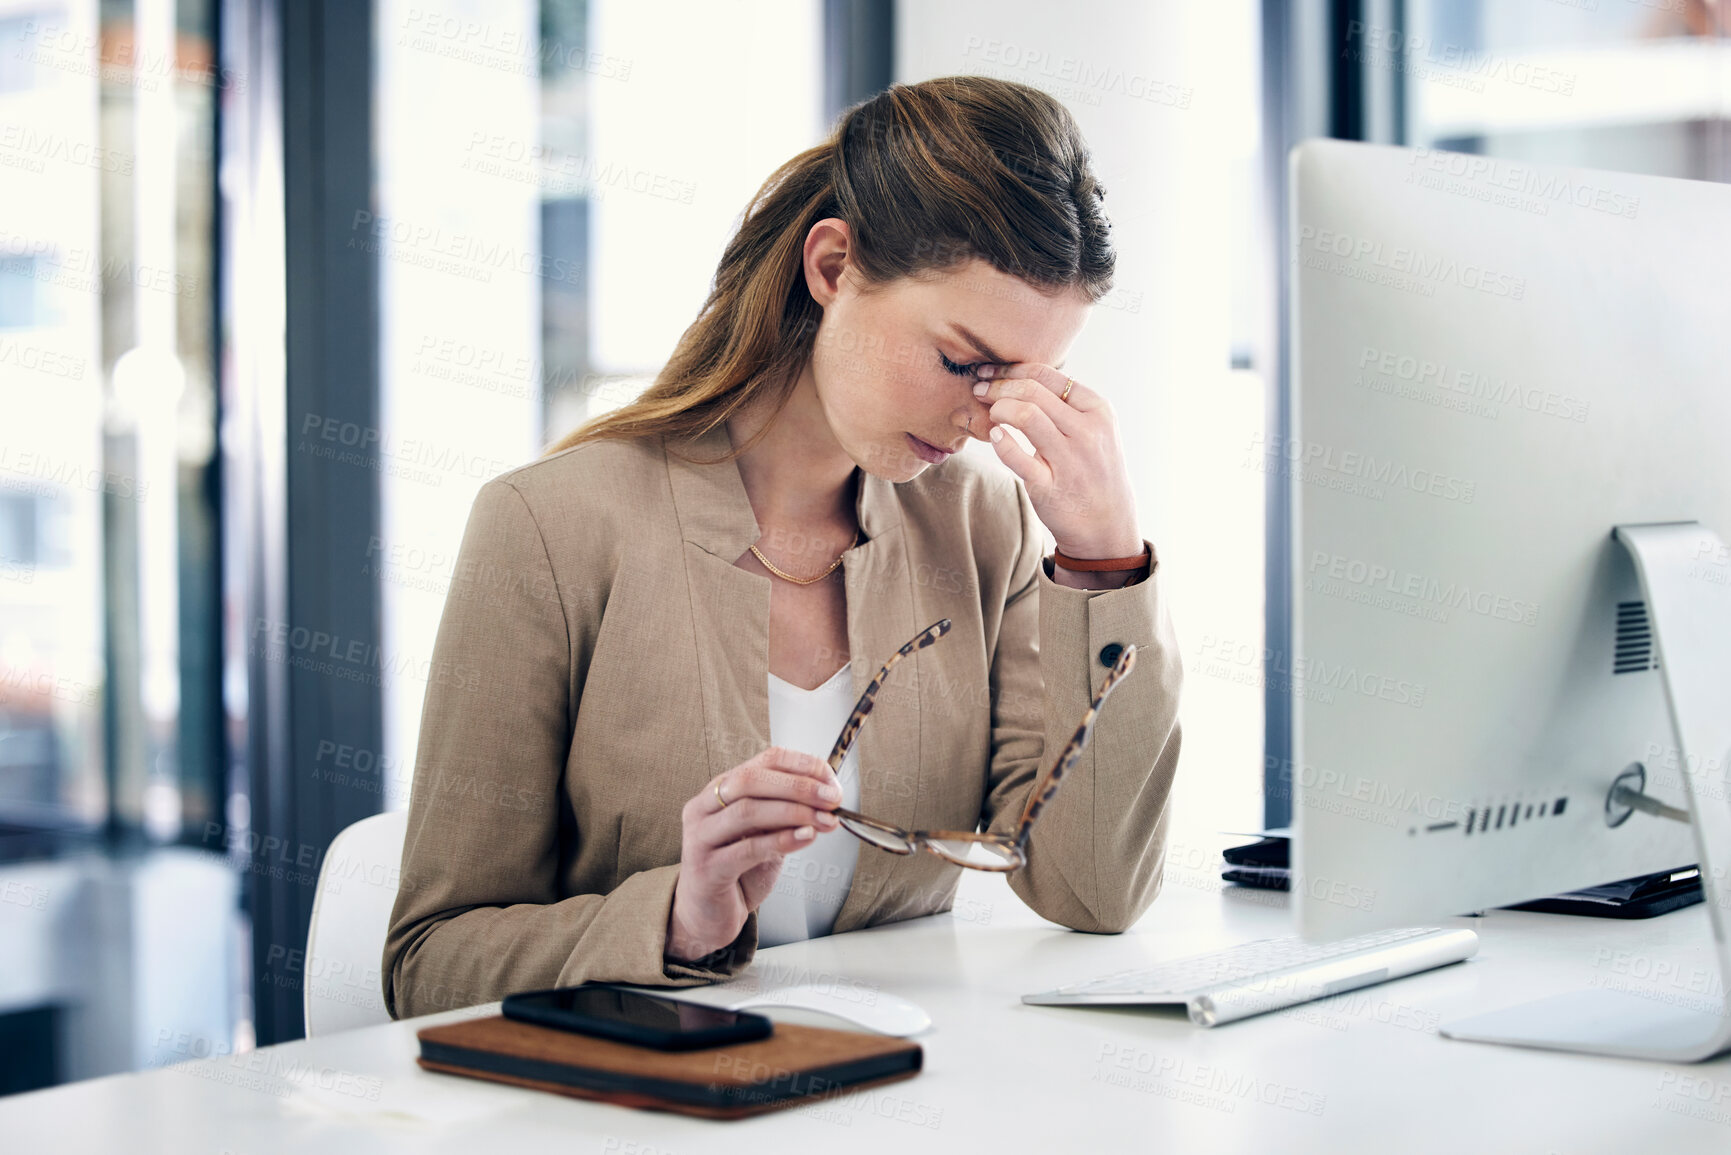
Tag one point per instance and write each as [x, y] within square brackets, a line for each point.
[730, 856]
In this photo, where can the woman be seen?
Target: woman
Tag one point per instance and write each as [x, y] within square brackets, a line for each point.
[662, 624]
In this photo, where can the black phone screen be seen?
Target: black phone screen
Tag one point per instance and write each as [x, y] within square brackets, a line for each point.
[610, 1012]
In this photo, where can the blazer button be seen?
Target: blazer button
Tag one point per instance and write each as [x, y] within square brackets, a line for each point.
[1109, 654]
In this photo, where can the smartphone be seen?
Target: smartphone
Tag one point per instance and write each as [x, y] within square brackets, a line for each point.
[610, 1012]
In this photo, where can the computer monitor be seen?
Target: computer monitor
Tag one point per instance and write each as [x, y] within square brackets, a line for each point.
[1494, 367]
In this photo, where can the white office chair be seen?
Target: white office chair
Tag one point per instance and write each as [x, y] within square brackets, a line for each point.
[341, 987]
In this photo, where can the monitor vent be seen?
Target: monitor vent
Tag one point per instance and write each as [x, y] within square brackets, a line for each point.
[1634, 653]
[1501, 816]
[1504, 815]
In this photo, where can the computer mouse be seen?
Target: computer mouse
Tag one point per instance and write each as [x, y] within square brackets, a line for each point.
[878, 1011]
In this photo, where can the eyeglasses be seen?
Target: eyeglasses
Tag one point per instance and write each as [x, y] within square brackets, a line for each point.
[999, 852]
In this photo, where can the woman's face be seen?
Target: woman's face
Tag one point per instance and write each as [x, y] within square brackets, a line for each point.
[893, 366]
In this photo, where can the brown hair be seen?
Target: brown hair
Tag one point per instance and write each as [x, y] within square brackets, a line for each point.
[926, 176]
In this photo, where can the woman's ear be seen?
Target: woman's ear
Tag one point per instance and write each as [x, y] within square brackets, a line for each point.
[827, 248]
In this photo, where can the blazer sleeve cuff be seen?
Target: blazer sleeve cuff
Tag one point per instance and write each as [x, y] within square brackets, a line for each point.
[1094, 620]
[723, 964]
[632, 924]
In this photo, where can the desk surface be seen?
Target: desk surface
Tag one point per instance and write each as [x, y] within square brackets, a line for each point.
[1362, 1071]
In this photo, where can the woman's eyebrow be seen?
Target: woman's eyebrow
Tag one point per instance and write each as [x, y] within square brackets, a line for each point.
[982, 348]
[979, 345]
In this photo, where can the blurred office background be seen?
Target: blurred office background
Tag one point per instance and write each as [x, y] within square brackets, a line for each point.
[283, 283]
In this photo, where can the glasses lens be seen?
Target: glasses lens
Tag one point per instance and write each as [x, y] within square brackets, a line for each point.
[982, 855]
[878, 837]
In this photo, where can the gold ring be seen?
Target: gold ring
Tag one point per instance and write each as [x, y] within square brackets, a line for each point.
[718, 796]
[1065, 395]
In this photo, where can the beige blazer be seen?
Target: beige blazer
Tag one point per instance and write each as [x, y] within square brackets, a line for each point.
[601, 658]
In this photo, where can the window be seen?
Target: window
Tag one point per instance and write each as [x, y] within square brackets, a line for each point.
[555, 187]
[110, 701]
[1630, 85]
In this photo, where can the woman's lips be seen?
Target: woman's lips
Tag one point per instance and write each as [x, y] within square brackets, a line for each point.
[926, 452]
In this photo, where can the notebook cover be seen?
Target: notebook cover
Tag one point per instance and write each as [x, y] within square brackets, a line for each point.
[1268, 852]
[794, 1066]
[1260, 877]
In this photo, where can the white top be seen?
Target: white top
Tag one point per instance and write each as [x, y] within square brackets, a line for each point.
[814, 882]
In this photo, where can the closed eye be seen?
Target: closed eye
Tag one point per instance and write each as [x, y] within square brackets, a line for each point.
[959, 370]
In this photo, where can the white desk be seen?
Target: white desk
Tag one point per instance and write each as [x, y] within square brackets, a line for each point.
[1364, 1071]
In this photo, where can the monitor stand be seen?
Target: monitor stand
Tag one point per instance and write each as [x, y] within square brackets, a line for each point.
[1684, 569]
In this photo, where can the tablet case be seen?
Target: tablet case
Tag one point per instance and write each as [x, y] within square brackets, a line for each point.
[794, 1066]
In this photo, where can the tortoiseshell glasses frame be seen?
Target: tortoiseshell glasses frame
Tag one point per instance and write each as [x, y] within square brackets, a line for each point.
[1006, 852]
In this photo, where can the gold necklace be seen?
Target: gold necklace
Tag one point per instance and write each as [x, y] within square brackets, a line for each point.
[770, 566]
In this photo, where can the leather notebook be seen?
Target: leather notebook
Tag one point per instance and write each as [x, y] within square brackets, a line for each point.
[794, 1066]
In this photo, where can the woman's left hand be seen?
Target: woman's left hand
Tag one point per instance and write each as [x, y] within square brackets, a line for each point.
[1076, 477]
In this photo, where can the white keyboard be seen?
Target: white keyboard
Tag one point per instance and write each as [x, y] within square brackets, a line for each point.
[1270, 973]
